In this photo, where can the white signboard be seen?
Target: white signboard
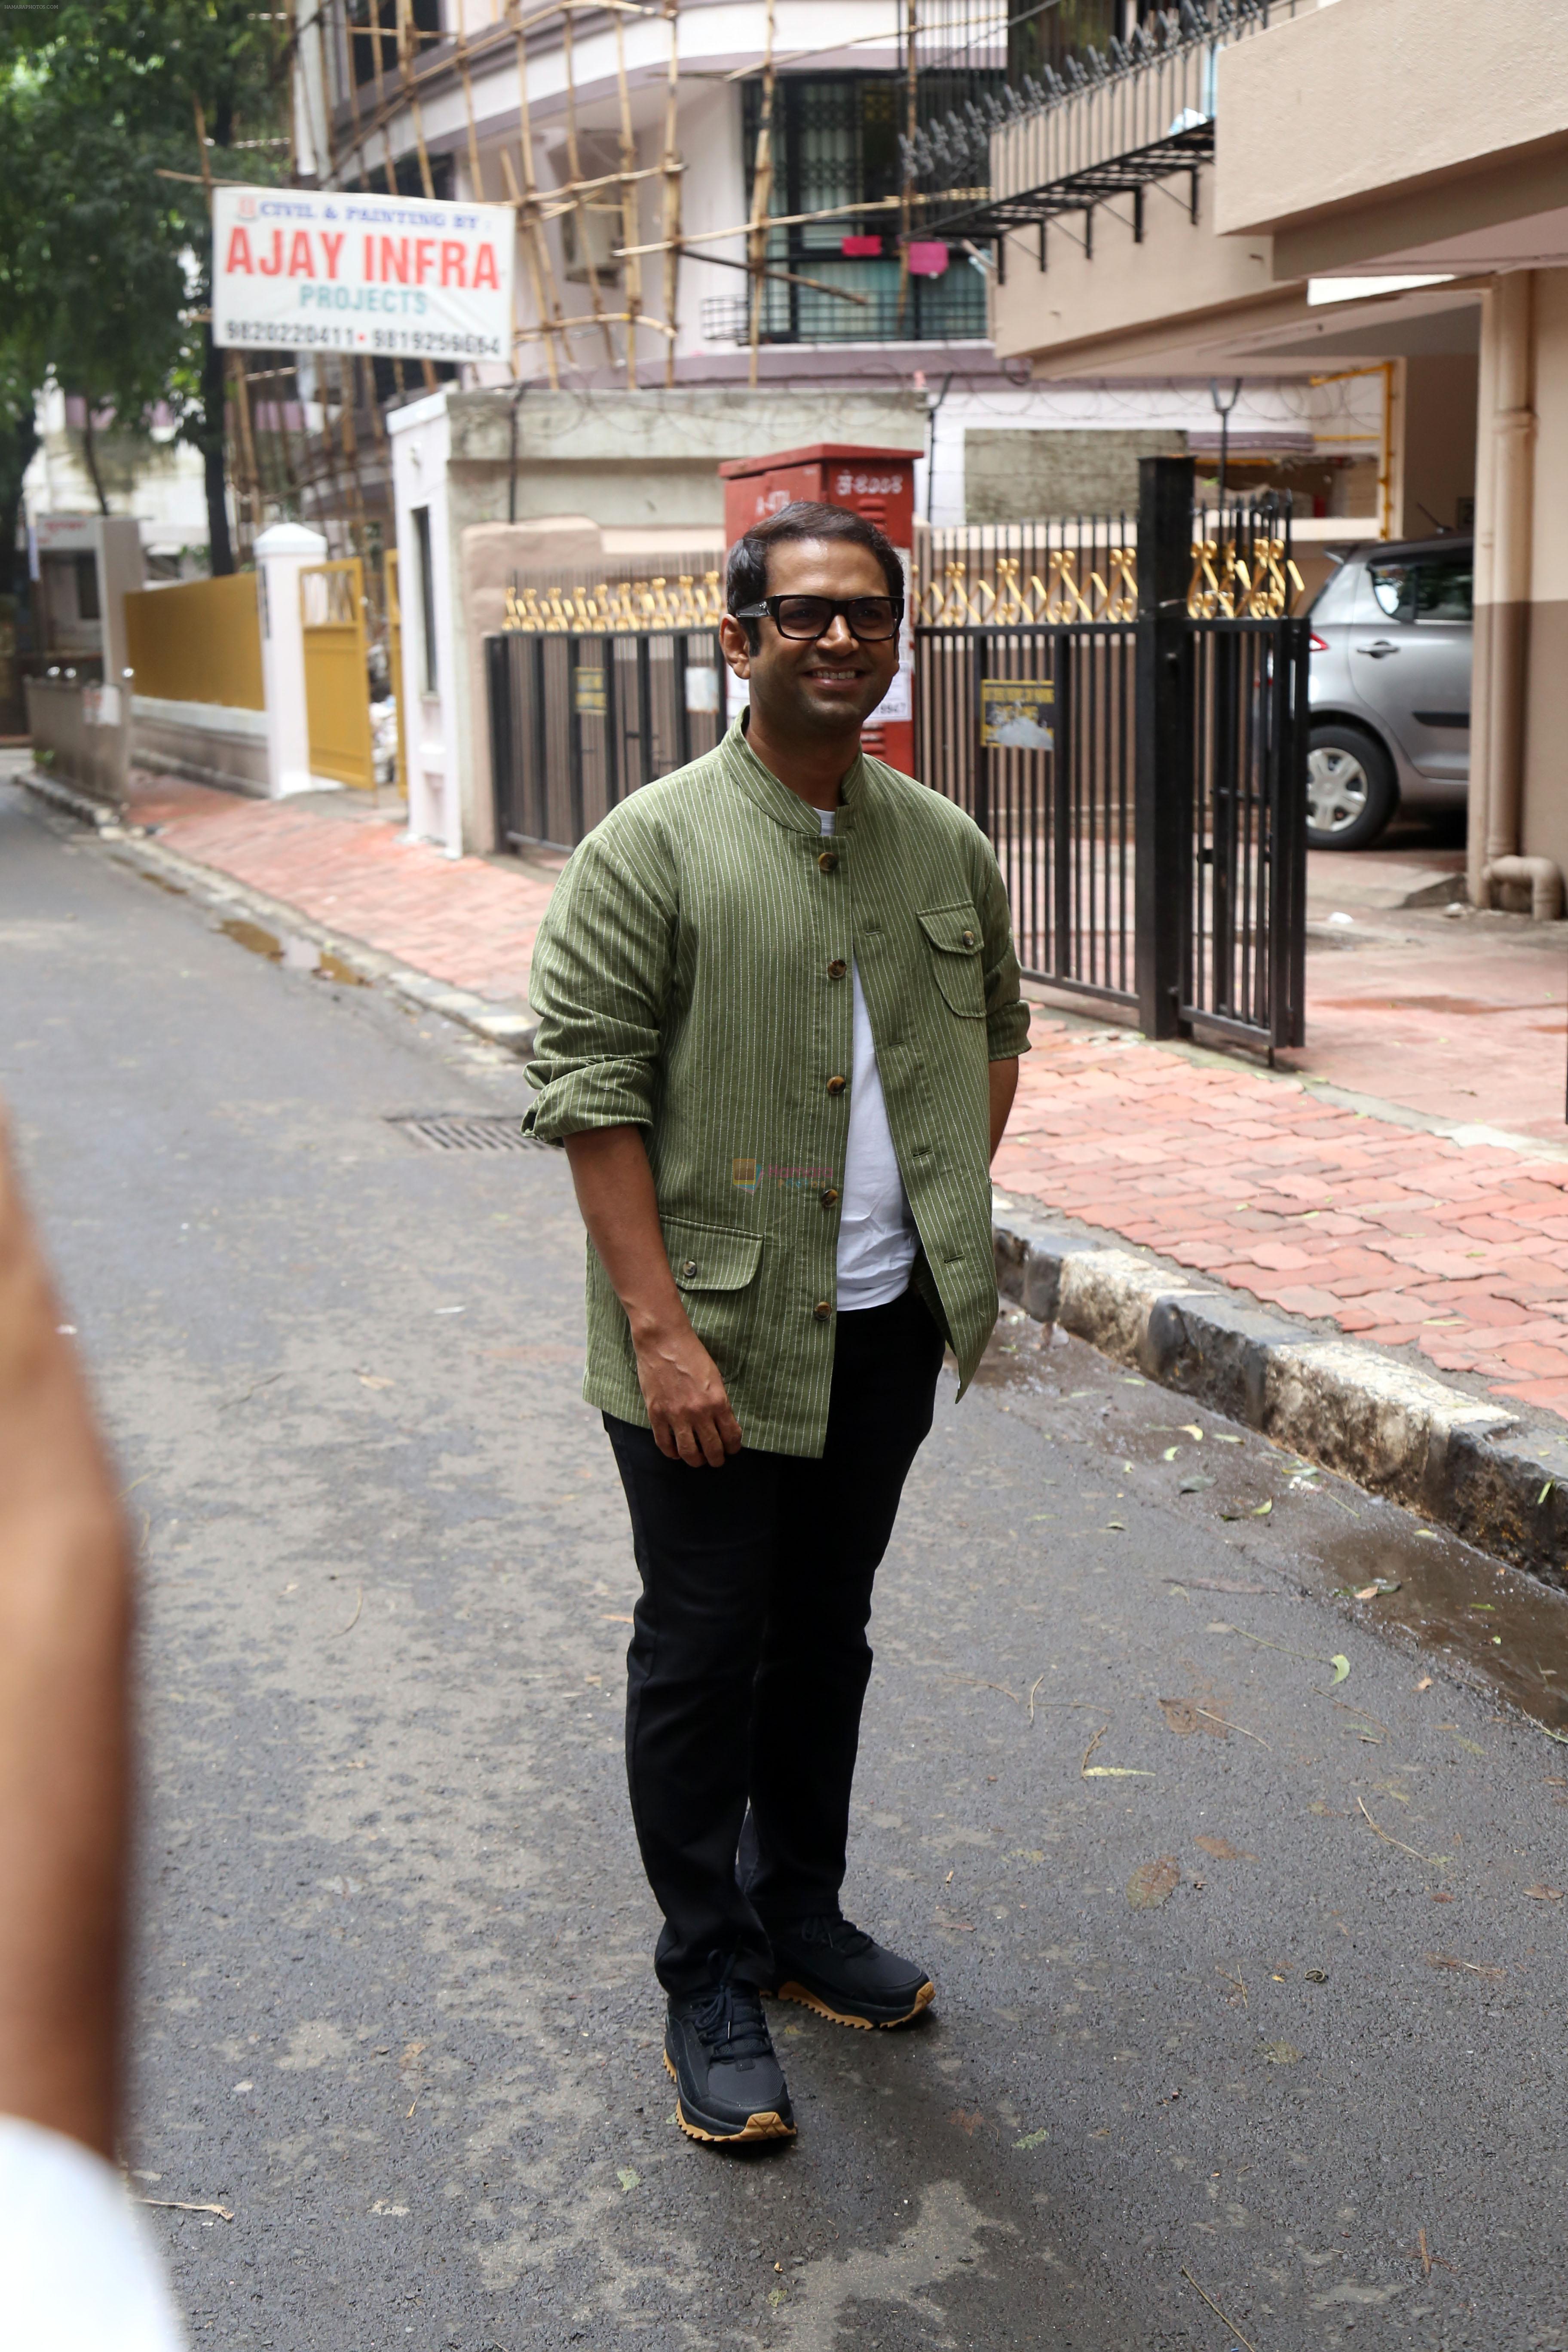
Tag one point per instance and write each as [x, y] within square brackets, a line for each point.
[392, 277]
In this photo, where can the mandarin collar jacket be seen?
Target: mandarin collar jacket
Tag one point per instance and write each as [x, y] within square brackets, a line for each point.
[691, 978]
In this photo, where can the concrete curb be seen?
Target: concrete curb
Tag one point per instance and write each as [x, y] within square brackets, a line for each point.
[1460, 1461]
[506, 1025]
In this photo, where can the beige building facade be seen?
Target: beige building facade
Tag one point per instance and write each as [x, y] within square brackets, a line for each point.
[1309, 188]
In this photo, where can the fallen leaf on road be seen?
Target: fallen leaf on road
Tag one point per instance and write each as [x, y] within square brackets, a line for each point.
[1375, 1590]
[1544, 1893]
[1153, 1883]
[1119, 1525]
[1184, 1718]
[1191, 1429]
[1317, 1975]
[1170, 1454]
[1116, 1772]
[1033, 2139]
[967, 2119]
[1469, 1746]
[376, 1381]
[1281, 2054]
[1194, 1486]
[1424, 1682]
[1471, 1968]
[1222, 1850]
[1341, 1666]
[628, 2178]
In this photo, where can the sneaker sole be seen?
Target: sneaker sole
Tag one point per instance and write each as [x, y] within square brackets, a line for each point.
[808, 2000]
[766, 2123]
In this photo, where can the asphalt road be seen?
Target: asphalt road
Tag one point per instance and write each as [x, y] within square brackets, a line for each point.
[1250, 1981]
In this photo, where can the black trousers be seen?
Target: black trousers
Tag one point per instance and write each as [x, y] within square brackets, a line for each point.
[749, 1660]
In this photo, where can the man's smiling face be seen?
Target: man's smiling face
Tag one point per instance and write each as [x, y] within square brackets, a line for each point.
[820, 686]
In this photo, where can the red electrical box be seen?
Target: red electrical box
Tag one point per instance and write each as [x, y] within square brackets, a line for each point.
[879, 484]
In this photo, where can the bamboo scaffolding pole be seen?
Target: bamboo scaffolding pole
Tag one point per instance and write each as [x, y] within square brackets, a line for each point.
[672, 173]
[540, 266]
[788, 278]
[548, 327]
[906, 184]
[246, 481]
[796, 220]
[411, 97]
[632, 270]
[762, 194]
[575, 168]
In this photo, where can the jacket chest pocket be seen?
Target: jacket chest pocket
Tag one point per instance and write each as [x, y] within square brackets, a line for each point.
[953, 938]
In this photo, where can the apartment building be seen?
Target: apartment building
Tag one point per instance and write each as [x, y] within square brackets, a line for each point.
[1285, 191]
[624, 131]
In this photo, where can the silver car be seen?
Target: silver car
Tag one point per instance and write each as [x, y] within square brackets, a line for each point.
[1390, 690]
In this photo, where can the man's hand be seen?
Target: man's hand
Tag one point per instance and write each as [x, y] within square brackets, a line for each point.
[690, 1415]
[690, 1412]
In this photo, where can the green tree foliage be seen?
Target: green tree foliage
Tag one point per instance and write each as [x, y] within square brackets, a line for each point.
[103, 262]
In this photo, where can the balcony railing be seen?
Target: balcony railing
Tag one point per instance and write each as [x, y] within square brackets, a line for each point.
[1109, 124]
[949, 309]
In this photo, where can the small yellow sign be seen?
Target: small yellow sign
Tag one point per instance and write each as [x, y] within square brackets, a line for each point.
[590, 693]
[1012, 713]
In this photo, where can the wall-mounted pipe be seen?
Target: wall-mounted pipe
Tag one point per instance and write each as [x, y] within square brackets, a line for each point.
[1540, 875]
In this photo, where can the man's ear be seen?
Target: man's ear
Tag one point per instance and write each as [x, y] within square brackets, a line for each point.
[735, 644]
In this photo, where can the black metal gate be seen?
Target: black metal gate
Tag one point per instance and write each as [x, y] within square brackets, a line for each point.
[1125, 716]
[592, 693]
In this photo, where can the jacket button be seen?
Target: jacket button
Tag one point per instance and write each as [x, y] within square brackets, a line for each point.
[822, 1309]
[689, 1268]
[828, 860]
[837, 968]
[827, 1196]
[836, 1085]
[969, 939]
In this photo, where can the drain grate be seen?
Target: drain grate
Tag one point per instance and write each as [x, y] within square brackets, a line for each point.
[460, 1130]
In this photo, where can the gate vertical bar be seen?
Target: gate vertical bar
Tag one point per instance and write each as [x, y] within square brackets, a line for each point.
[1162, 812]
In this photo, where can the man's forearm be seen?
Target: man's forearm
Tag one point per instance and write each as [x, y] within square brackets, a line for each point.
[614, 1192]
[65, 1607]
[688, 1410]
[1004, 1087]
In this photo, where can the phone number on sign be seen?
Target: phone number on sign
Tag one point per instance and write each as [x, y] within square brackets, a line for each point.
[404, 344]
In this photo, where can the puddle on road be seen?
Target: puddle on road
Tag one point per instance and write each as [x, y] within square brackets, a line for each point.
[1483, 1620]
[295, 954]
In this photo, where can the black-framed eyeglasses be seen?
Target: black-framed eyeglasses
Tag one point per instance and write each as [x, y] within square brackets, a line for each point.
[872, 619]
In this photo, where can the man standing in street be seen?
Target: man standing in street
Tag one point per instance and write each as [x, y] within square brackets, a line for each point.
[779, 1025]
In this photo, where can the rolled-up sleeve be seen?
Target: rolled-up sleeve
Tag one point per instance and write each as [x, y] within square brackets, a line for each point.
[1007, 1014]
[599, 985]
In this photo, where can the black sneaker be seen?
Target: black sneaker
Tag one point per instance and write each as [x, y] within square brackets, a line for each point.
[732, 2087]
[845, 1975]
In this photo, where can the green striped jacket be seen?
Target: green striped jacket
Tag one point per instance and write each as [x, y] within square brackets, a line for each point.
[690, 979]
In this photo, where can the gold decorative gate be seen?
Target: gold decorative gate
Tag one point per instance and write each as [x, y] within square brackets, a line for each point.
[337, 684]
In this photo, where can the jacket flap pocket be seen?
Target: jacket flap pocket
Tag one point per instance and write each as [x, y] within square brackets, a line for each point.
[712, 1258]
[955, 931]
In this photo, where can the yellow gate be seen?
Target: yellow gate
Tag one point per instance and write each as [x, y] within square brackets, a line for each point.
[337, 685]
[394, 658]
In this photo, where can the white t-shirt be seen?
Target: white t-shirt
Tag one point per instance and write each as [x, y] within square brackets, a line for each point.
[876, 1236]
[79, 2271]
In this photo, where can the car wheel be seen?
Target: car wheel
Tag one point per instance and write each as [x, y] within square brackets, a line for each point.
[1350, 790]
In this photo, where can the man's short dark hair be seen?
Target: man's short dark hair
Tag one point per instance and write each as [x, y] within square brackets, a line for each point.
[746, 581]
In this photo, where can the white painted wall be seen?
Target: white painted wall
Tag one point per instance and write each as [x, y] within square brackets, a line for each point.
[421, 439]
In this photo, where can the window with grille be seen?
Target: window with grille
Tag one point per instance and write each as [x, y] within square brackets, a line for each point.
[836, 141]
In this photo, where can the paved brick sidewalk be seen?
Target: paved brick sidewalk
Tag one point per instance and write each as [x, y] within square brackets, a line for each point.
[1399, 1235]
[462, 920]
